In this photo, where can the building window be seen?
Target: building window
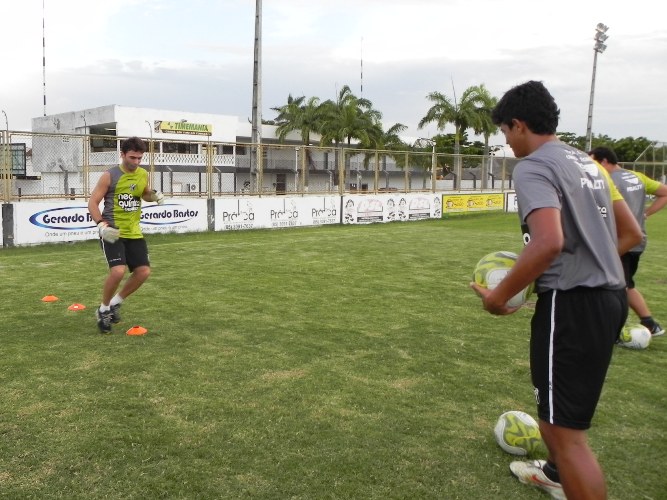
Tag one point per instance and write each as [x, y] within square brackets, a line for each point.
[180, 147]
[99, 143]
[18, 154]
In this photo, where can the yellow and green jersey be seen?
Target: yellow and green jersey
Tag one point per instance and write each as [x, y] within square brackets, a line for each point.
[122, 203]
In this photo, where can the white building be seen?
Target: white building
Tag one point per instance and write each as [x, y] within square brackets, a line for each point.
[184, 143]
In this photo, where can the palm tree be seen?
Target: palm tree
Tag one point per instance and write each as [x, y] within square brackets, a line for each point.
[485, 125]
[295, 115]
[304, 118]
[383, 141]
[348, 118]
[463, 114]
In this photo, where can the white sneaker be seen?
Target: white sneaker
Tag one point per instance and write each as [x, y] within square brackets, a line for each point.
[532, 473]
[657, 330]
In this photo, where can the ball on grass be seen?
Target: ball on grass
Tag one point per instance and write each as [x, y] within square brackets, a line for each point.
[518, 433]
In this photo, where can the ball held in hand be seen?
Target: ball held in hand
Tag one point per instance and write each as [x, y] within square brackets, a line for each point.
[492, 268]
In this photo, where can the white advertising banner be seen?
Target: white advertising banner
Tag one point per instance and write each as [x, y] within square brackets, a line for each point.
[54, 222]
[276, 212]
[510, 202]
[366, 209]
[175, 216]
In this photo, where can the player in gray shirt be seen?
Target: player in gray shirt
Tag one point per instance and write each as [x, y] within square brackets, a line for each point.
[559, 176]
[634, 186]
[575, 226]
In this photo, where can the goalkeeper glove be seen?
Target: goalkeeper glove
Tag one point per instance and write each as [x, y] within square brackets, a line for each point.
[108, 233]
[157, 197]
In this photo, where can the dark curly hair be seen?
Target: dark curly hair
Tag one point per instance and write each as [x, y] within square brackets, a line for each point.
[529, 102]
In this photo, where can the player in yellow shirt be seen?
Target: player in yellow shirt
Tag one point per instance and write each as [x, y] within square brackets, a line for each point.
[122, 189]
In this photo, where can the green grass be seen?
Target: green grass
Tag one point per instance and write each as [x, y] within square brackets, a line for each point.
[315, 363]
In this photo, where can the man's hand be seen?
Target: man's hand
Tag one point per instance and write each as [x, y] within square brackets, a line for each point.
[108, 233]
[157, 197]
[489, 304]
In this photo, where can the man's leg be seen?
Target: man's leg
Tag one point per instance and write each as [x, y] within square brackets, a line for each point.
[580, 473]
[111, 283]
[134, 281]
[637, 303]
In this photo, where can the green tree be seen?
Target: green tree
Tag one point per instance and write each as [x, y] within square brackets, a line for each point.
[347, 118]
[484, 125]
[298, 116]
[573, 140]
[384, 141]
[630, 149]
[463, 114]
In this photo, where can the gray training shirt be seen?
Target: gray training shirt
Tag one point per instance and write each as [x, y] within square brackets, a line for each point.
[560, 176]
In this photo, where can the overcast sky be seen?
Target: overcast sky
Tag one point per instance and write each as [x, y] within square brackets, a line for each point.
[197, 55]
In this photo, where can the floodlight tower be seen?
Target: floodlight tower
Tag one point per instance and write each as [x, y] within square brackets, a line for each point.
[598, 48]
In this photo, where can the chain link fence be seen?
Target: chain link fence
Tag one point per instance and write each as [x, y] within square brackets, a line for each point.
[43, 166]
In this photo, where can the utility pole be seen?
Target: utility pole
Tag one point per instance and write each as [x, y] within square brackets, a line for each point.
[255, 157]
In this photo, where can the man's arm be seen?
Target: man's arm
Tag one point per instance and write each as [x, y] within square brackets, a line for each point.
[628, 231]
[659, 202]
[152, 195]
[97, 196]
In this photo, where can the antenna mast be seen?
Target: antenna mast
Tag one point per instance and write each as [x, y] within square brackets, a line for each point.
[43, 57]
[362, 67]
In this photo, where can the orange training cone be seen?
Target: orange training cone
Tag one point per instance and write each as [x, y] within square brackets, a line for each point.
[76, 307]
[49, 298]
[137, 330]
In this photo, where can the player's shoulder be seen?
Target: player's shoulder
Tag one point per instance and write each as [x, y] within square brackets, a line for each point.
[641, 176]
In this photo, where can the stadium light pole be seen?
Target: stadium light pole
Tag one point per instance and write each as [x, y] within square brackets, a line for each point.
[6, 121]
[598, 48]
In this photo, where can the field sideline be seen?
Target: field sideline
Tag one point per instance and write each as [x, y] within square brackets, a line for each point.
[333, 362]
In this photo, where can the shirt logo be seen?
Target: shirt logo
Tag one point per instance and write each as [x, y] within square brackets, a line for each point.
[631, 178]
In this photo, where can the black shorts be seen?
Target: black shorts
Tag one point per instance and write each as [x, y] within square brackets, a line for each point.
[630, 263]
[130, 252]
[573, 334]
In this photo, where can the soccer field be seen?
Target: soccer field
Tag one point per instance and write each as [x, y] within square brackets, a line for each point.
[332, 362]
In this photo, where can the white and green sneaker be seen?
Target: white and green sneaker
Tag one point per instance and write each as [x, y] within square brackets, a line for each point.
[532, 473]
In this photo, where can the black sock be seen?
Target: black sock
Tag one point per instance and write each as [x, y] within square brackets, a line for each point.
[647, 321]
[551, 471]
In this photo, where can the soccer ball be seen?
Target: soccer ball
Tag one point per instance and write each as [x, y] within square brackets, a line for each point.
[517, 433]
[492, 268]
[635, 337]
